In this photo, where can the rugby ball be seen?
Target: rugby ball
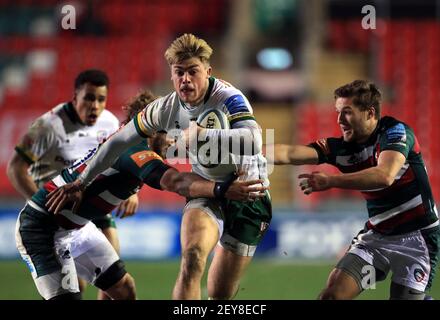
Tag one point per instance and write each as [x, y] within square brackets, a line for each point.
[213, 159]
[213, 119]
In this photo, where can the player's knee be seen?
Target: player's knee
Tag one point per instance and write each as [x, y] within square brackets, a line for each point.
[225, 292]
[131, 287]
[124, 289]
[116, 282]
[127, 285]
[193, 261]
[220, 295]
[333, 293]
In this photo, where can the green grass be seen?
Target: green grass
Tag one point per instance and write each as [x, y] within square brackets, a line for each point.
[154, 280]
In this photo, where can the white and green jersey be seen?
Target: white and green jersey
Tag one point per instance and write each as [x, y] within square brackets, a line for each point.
[57, 139]
[170, 113]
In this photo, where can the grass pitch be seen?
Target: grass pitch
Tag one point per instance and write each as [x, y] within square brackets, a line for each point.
[265, 280]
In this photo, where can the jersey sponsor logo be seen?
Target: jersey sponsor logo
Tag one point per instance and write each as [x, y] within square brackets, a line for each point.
[79, 162]
[396, 134]
[263, 228]
[29, 263]
[64, 253]
[143, 157]
[419, 275]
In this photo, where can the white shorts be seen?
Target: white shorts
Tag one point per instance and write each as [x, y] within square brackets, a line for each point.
[84, 252]
[90, 249]
[410, 257]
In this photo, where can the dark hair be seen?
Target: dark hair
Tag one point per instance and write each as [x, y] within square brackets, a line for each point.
[138, 103]
[93, 76]
[365, 94]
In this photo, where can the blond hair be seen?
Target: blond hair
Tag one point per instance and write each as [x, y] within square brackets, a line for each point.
[186, 47]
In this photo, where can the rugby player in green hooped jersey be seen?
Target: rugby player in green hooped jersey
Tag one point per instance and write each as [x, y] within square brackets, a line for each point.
[231, 230]
[62, 136]
[58, 247]
[380, 156]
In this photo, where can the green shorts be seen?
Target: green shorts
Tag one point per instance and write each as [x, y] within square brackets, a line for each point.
[242, 224]
[105, 222]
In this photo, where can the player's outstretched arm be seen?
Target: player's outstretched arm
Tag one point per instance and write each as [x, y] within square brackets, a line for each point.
[383, 175]
[280, 154]
[191, 185]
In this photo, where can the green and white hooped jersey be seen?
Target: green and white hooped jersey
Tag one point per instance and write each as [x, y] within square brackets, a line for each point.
[407, 205]
[170, 113]
[57, 139]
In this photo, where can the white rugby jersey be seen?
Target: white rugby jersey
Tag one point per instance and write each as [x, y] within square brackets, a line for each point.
[169, 112]
[57, 139]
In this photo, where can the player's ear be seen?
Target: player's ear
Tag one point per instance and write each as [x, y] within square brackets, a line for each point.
[371, 112]
[208, 71]
[75, 97]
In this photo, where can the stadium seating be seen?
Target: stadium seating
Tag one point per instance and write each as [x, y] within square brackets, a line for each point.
[406, 61]
[129, 47]
[408, 68]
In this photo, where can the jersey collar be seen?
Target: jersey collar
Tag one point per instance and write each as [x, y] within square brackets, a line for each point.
[71, 113]
[208, 92]
[373, 137]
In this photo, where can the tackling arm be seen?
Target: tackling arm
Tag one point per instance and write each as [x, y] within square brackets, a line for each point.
[193, 186]
[292, 154]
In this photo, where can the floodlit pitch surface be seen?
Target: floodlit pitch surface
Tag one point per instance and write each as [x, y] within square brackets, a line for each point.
[265, 279]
